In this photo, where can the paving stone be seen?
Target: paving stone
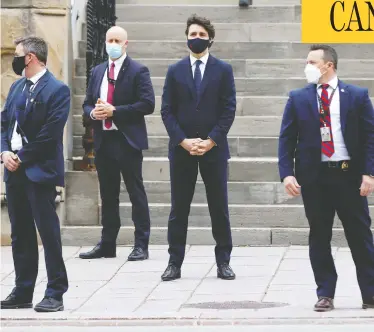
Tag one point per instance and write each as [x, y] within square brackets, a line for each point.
[113, 306]
[241, 285]
[181, 295]
[164, 306]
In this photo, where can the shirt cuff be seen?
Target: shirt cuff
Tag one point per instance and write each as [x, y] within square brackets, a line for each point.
[91, 116]
[215, 144]
[1, 155]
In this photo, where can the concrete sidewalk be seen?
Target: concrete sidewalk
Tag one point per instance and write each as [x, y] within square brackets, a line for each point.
[274, 285]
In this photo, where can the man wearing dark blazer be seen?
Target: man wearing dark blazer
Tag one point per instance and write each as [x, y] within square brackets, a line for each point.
[326, 151]
[198, 109]
[32, 128]
[126, 93]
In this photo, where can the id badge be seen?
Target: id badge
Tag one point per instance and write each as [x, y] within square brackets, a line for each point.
[325, 134]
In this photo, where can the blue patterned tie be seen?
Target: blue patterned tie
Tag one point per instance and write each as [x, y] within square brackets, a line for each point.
[197, 76]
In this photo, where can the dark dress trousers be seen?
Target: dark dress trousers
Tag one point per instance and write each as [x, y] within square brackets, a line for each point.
[190, 113]
[120, 151]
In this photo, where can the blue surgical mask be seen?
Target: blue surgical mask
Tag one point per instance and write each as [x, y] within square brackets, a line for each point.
[114, 50]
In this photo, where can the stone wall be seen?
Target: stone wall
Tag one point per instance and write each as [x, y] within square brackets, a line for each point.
[44, 18]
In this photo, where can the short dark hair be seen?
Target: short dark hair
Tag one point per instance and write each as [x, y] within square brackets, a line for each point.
[34, 45]
[203, 22]
[329, 53]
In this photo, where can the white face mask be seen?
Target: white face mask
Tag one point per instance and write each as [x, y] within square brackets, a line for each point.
[312, 73]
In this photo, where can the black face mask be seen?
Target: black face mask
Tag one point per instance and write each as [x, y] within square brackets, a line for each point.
[198, 45]
[18, 64]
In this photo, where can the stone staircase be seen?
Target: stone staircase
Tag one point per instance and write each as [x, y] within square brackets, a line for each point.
[263, 45]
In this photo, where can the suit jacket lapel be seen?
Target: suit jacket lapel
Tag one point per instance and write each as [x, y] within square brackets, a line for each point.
[207, 74]
[187, 73]
[18, 113]
[344, 104]
[39, 87]
[124, 68]
[312, 99]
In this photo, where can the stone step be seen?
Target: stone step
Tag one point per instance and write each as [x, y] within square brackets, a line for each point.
[247, 86]
[239, 146]
[238, 50]
[207, 2]
[265, 126]
[216, 13]
[261, 236]
[254, 105]
[259, 193]
[258, 68]
[247, 216]
[240, 169]
[241, 32]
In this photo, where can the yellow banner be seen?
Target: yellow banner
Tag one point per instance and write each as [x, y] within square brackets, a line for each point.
[344, 21]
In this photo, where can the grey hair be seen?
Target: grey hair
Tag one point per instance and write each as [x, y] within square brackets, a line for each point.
[34, 45]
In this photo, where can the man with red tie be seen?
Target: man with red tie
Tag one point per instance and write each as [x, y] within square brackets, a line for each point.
[326, 152]
[119, 95]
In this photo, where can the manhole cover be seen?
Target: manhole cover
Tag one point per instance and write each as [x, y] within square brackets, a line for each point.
[235, 305]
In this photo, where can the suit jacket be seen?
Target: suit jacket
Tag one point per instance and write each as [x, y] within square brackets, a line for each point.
[133, 97]
[210, 114]
[300, 139]
[42, 121]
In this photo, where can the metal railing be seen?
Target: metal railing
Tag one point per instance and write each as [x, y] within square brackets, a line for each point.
[100, 17]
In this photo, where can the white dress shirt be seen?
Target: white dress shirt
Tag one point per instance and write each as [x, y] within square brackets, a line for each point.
[340, 150]
[203, 59]
[104, 84]
[16, 141]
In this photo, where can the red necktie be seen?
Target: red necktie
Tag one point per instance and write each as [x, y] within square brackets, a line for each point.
[109, 99]
[327, 147]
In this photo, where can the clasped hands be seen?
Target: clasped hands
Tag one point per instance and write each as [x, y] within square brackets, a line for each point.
[197, 146]
[293, 188]
[103, 111]
[10, 160]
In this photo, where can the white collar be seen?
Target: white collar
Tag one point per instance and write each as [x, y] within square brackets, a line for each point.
[37, 76]
[203, 59]
[118, 62]
[332, 83]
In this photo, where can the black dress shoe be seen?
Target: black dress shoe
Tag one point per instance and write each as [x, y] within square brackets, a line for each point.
[324, 304]
[138, 254]
[172, 272]
[245, 3]
[15, 302]
[99, 251]
[224, 271]
[368, 304]
[49, 304]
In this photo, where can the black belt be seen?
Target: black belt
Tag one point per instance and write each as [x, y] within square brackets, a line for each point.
[341, 165]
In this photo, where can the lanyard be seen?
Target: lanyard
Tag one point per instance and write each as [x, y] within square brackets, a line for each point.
[321, 110]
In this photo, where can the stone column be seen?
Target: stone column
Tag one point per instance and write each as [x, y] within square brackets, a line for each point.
[48, 19]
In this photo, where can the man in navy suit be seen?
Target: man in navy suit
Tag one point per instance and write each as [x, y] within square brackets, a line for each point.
[198, 109]
[326, 151]
[32, 127]
[125, 89]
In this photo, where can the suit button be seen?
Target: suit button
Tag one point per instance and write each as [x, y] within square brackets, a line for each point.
[197, 110]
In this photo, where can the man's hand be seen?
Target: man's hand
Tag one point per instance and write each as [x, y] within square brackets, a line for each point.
[202, 147]
[10, 161]
[291, 186]
[103, 111]
[367, 185]
[189, 143]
